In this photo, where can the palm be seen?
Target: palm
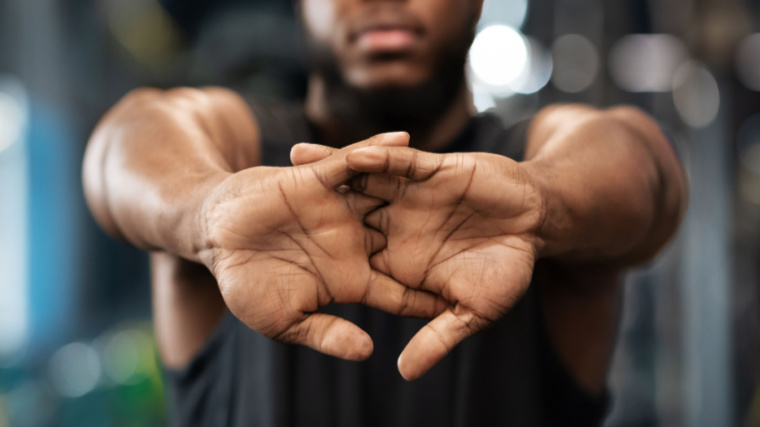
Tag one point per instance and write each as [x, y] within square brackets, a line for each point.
[305, 235]
[286, 243]
[461, 227]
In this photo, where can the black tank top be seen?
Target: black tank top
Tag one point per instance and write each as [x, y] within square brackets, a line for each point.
[507, 375]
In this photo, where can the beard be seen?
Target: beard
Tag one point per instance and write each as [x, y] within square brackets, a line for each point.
[374, 110]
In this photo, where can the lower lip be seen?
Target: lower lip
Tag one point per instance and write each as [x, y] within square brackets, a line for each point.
[386, 40]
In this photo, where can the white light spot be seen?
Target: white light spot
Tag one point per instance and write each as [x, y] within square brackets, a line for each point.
[14, 292]
[505, 12]
[576, 63]
[498, 57]
[696, 94]
[13, 114]
[483, 100]
[75, 369]
[748, 62]
[646, 63]
[538, 72]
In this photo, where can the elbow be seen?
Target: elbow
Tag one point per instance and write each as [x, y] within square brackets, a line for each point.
[98, 151]
[668, 186]
[94, 180]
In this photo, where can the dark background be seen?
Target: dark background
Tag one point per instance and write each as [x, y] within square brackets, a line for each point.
[76, 346]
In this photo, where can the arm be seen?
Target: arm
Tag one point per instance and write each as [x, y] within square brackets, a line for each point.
[601, 190]
[155, 157]
[148, 167]
[613, 189]
[615, 193]
[172, 171]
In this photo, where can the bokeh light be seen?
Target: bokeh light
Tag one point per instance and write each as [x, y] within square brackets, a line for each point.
[696, 94]
[646, 62]
[748, 62]
[498, 57]
[576, 63]
[123, 356]
[75, 369]
[14, 289]
[482, 99]
[537, 72]
[13, 111]
[145, 30]
[504, 12]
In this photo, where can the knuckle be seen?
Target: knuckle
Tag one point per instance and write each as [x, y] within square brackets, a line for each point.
[404, 300]
[412, 166]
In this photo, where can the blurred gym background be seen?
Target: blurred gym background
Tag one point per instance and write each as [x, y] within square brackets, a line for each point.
[76, 346]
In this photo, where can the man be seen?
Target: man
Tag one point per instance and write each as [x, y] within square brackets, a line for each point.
[515, 242]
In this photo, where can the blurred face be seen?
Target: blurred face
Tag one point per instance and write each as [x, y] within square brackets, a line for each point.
[375, 44]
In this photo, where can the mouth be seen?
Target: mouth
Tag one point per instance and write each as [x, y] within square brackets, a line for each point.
[387, 33]
[386, 40]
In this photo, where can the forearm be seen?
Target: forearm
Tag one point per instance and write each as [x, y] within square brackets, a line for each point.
[155, 157]
[613, 190]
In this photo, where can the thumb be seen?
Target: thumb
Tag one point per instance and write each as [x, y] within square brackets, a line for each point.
[330, 335]
[436, 339]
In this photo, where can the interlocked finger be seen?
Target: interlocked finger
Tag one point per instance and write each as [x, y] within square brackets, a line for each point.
[399, 161]
[374, 241]
[382, 186]
[305, 153]
[360, 204]
[380, 262]
[379, 220]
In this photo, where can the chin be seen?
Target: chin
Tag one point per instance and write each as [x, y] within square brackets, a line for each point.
[391, 75]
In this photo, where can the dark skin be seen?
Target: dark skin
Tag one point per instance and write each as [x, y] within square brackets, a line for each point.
[457, 238]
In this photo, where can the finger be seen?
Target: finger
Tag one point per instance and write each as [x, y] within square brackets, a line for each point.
[382, 186]
[390, 296]
[360, 204]
[333, 171]
[305, 153]
[379, 220]
[387, 139]
[436, 339]
[400, 161]
[380, 262]
[374, 241]
[330, 335]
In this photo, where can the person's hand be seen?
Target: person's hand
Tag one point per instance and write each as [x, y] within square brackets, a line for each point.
[286, 241]
[459, 225]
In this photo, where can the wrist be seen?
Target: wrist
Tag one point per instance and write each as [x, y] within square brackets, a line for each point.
[189, 229]
[557, 229]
